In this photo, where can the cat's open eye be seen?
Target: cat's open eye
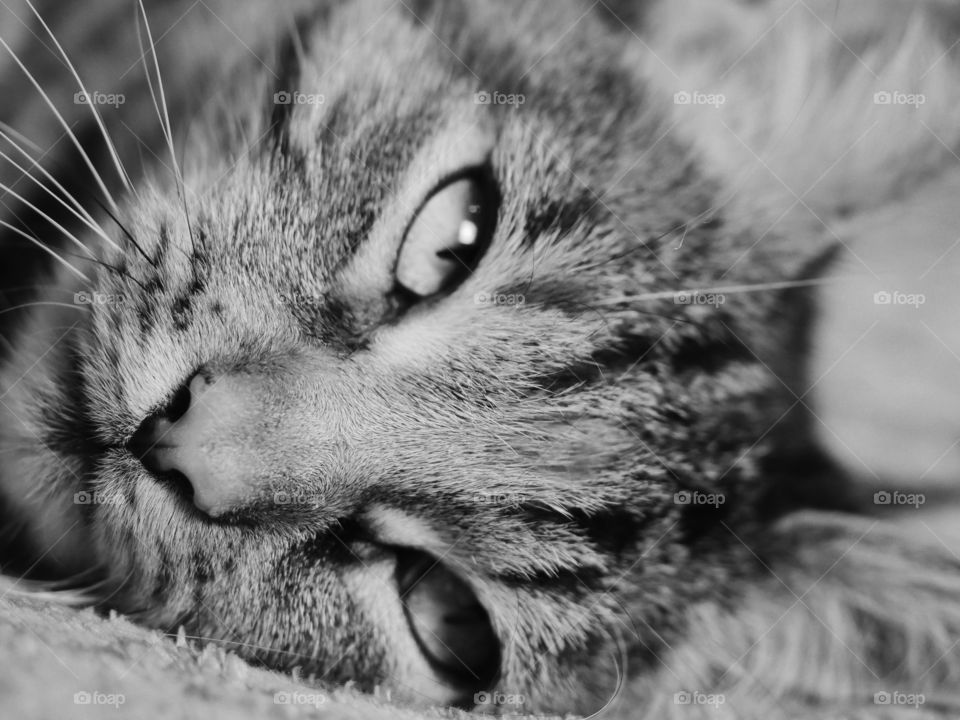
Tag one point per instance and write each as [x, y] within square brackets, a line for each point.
[448, 235]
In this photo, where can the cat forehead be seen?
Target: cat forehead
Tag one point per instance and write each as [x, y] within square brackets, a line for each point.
[378, 100]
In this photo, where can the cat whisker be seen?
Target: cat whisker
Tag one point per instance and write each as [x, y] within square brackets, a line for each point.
[701, 218]
[66, 127]
[70, 596]
[90, 220]
[121, 171]
[80, 214]
[643, 246]
[254, 646]
[46, 249]
[21, 138]
[108, 266]
[163, 117]
[621, 668]
[39, 303]
[7, 133]
[66, 233]
[127, 234]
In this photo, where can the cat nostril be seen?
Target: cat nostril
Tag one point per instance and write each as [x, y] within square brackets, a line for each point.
[152, 429]
[178, 481]
[179, 404]
[149, 439]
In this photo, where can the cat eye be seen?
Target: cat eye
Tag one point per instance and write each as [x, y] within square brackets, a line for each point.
[449, 234]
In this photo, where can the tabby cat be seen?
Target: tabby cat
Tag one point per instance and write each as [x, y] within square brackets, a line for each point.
[463, 349]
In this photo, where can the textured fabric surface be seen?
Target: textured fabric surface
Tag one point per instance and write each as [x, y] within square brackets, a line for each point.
[64, 663]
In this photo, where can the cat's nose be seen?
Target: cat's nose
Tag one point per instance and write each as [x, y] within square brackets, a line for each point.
[200, 438]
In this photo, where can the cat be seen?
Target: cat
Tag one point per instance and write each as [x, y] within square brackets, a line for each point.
[461, 349]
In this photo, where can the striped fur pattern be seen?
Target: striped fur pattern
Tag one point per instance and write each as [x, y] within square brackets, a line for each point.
[660, 148]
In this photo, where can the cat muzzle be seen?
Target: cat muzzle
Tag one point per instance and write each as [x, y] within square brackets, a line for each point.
[233, 440]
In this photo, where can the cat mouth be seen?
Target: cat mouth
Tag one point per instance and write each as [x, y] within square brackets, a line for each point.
[448, 623]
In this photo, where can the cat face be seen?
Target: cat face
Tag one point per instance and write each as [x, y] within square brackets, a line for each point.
[331, 449]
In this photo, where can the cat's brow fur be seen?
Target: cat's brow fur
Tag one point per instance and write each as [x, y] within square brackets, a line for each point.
[589, 404]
